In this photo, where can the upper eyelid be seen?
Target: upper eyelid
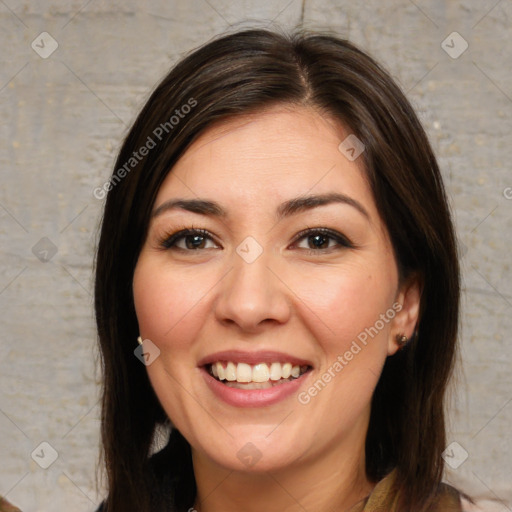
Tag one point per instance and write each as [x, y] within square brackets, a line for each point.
[309, 231]
[328, 232]
[182, 233]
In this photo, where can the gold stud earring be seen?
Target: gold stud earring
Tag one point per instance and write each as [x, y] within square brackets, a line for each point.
[139, 339]
[401, 340]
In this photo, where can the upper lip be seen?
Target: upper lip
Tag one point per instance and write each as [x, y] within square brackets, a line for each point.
[252, 358]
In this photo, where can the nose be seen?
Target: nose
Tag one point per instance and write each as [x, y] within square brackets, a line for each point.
[253, 295]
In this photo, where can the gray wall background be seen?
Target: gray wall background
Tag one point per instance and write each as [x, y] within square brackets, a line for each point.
[62, 120]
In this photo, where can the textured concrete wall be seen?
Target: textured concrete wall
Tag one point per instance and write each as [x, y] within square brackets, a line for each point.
[63, 115]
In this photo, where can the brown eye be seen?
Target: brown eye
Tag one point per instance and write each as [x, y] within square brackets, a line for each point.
[193, 239]
[319, 240]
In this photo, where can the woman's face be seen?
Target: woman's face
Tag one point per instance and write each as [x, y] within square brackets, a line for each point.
[272, 277]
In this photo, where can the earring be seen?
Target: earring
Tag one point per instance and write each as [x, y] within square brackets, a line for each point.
[401, 340]
[139, 339]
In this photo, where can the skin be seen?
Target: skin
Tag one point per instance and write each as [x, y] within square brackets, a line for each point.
[295, 297]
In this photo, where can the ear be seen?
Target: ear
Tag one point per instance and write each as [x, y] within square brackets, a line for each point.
[407, 305]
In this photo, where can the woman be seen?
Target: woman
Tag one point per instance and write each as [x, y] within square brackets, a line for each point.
[276, 236]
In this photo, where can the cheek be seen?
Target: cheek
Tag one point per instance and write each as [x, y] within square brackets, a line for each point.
[168, 303]
[342, 304]
[343, 312]
[170, 312]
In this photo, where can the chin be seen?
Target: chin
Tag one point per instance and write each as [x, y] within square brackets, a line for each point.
[253, 454]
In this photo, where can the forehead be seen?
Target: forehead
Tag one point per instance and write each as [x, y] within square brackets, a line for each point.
[259, 160]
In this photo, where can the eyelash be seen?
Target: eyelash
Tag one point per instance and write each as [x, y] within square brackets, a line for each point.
[168, 241]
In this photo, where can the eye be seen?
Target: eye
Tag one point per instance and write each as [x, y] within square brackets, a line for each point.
[187, 240]
[319, 240]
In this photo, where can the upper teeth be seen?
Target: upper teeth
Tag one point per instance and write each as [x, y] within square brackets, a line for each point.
[243, 372]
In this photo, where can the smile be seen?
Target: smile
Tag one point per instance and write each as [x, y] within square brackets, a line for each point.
[257, 376]
[254, 379]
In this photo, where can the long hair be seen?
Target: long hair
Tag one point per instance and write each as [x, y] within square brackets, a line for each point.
[242, 73]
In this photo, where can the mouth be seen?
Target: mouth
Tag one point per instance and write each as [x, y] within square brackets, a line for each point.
[254, 379]
[255, 376]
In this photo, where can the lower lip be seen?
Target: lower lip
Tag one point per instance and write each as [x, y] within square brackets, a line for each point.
[253, 397]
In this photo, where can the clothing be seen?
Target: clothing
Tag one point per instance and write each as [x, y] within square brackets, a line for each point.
[380, 500]
[485, 505]
[5, 506]
[383, 499]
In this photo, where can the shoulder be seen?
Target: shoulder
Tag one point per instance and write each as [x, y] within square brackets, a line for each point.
[483, 506]
[467, 504]
[5, 506]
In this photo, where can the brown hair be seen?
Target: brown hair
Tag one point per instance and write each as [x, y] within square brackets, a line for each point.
[242, 73]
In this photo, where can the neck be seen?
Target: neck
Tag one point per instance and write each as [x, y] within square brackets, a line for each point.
[334, 480]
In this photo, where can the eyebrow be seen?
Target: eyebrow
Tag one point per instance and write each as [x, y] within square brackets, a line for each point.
[286, 209]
